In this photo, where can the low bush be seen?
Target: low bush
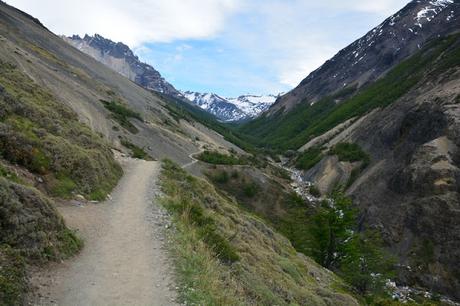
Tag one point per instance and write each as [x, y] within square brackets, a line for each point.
[122, 114]
[12, 276]
[221, 177]
[136, 152]
[309, 158]
[350, 152]
[250, 190]
[214, 157]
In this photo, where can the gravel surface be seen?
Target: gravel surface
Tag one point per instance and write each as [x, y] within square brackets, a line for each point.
[125, 259]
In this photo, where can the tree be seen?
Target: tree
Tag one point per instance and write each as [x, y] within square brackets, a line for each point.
[332, 226]
[366, 265]
[336, 244]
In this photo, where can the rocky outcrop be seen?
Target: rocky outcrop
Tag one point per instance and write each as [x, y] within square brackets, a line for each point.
[121, 58]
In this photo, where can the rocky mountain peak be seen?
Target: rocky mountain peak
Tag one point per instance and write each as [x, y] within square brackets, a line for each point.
[122, 59]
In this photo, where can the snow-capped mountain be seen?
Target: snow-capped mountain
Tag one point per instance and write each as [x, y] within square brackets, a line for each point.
[231, 109]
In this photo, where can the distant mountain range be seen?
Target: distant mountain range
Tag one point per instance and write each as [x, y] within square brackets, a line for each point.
[231, 109]
[122, 59]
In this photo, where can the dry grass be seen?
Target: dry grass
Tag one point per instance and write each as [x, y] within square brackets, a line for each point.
[269, 270]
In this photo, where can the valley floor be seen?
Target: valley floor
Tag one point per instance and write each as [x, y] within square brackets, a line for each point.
[124, 260]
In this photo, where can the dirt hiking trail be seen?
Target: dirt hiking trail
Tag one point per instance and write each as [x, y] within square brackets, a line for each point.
[124, 260]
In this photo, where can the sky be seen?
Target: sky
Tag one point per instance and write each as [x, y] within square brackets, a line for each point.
[229, 47]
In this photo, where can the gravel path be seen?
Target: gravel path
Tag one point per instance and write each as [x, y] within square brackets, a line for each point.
[124, 261]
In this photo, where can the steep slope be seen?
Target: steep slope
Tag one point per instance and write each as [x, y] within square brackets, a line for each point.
[227, 256]
[409, 188]
[121, 58]
[231, 109]
[288, 123]
[370, 57]
[61, 114]
[394, 93]
[92, 90]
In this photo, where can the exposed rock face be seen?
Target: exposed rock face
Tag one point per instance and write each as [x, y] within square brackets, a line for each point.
[411, 190]
[329, 173]
[371, 56]
[121, 58]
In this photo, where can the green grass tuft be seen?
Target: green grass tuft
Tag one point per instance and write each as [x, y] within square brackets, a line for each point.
[122, 114]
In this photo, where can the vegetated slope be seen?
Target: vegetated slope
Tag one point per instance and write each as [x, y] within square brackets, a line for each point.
[121, 58]
[44, 149]
[226, 256]
[370, 57]
[409, 187]
[61, 113]
[83, 83]
[294, 119]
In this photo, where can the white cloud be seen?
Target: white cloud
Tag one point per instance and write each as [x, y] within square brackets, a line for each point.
[133, 22]
[295, 37]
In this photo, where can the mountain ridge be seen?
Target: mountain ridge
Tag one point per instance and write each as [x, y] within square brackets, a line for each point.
[244, 107]
[122, 59]
[370, 57]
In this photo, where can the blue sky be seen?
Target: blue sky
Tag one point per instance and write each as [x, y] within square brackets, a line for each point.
[230, 47]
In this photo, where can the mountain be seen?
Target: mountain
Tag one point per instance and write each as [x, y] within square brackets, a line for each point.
[371, 56]
[66, 121]
[121, 58]
[231, 109]
[381, 120]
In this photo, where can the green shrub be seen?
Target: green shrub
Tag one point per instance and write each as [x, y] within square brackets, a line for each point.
[12, 277]
[350, 152]
[214, 157]
[70, 244]
[63, 187]
[122, 114]
[309, 158]
[250, 190]
[136, 151]
[10, 175]
[221, 177]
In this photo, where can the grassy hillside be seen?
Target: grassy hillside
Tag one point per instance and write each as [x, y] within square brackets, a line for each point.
[44, 151]
[226, 256]
[42, 135]
[295, 128]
